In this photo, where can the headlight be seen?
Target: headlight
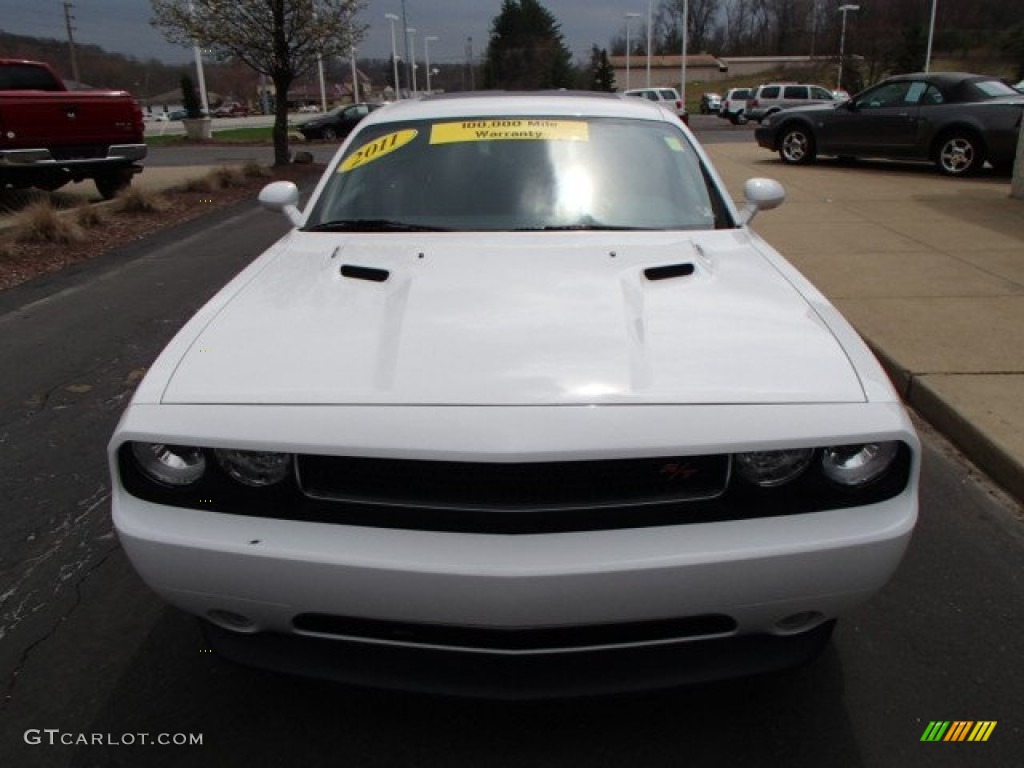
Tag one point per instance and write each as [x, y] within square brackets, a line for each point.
[255, 468]
[856, 465]
[769, 469]
[174, 465]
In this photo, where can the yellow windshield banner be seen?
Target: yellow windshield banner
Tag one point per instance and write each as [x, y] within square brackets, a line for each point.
[377, 149]
[510, 129]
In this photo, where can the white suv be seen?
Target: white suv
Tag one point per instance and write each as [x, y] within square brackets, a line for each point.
[667, 96]
[734, 105]
[774, 97]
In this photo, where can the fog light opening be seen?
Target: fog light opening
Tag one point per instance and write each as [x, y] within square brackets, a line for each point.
[799, 622]
[236, 622]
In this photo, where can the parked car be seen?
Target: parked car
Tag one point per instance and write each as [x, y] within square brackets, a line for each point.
[734, 105]
[1020, 86]
[669, 97]
[335, 123]
[955, 120]
[710, 103]
[520, 405]
[308, 109]
[233, 109]
[770, 98]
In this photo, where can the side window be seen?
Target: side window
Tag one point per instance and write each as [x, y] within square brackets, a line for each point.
[771, 92]
[931, 96]
[795, 92]
[889, 95]
[820, 93]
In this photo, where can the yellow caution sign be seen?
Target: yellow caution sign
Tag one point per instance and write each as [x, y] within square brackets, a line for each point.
[377, 149]
[510, 129]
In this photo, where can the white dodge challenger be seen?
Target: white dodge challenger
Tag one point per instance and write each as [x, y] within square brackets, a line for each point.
[521, 406]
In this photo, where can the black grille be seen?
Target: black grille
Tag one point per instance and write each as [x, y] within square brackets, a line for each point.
[516, 638]
[524, 486]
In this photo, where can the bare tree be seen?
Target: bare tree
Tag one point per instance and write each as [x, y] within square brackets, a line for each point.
[277, 38]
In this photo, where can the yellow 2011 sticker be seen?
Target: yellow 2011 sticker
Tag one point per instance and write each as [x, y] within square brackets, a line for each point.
[510, 129]
[377, 149]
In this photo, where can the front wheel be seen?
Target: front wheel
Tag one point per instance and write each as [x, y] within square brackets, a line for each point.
[797, 145]
[959, 154]
[329, 133]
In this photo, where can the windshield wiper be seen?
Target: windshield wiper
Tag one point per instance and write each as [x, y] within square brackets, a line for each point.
[371, 225]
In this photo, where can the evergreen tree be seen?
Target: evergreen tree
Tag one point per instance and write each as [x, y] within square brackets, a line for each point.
[602, 75]
[526, 50]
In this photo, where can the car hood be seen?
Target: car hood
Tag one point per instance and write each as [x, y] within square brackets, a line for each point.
[522, 319]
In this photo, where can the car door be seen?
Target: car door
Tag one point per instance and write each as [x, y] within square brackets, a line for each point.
[882, 121]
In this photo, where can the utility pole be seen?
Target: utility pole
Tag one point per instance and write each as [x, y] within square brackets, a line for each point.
[405, 38]
[71, 42]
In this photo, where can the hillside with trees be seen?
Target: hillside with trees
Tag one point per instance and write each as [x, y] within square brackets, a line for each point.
[890, 36]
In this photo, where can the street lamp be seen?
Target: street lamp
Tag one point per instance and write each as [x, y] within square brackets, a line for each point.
[411, 32]
[650, 11]
[842, 42]
[426, 56]
[931, 35]
[394, 53]
[629, 53]
[682, 63]
[355, 75]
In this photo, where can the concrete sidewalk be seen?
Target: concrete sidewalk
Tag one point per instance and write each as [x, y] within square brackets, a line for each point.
[929, 269]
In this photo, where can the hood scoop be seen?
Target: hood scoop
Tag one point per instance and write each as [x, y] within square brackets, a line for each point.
[669, 271]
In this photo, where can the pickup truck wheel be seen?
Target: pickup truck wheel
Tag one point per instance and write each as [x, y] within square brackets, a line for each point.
[109, 184]
[738, 118]
[796, 146]
[959, 154]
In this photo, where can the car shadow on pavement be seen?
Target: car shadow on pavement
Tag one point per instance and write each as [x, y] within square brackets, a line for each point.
[251, 717]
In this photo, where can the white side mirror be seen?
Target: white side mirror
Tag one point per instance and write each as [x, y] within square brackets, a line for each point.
[282, 196]
[761, 195]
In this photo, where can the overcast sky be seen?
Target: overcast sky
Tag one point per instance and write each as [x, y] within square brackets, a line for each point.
[123, 25]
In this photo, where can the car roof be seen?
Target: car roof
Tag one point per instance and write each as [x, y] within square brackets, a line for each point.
[532, 103]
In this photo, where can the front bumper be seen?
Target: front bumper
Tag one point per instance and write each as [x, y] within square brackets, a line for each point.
[764, 135]
[265, 578]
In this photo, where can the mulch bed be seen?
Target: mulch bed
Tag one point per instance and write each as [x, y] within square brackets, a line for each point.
[20, 262]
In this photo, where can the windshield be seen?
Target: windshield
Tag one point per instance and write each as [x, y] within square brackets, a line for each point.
[995, 88]
[498, 174]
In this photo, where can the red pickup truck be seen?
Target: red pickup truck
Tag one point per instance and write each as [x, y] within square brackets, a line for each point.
[50, 136]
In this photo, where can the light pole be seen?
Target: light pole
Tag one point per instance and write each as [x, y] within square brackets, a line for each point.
[394, 53]
[411, 40]
[426, 55]
[199, 70]
[355, 76]
[842, 42]
[629, 52]
[931, 34]
[650, 11]
[682, 64]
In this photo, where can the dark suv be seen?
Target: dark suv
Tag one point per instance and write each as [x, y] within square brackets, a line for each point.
[770, 98]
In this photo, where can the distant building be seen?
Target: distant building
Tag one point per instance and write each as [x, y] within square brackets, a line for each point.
[701, 68]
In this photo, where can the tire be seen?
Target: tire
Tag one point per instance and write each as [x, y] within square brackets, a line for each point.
[112, 182]
[959, 153]
[796, 145]
[329, 133]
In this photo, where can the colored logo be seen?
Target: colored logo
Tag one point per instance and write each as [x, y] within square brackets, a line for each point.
[958, 730]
